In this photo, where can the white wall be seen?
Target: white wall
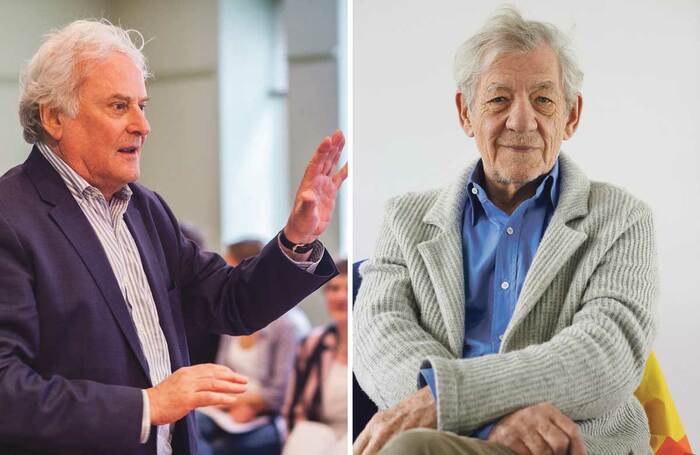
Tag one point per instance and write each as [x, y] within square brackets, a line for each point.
[312, 36]
[181, 156]
[639, 128]
[22, 25]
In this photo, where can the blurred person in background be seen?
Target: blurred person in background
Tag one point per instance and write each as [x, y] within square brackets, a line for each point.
[266, 358]
[316, 407]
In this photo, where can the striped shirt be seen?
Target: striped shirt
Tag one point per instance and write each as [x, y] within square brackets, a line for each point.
[107, 220]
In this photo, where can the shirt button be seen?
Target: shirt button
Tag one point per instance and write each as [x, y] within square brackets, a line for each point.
[505, 285]
[474, 190]
[509, 230]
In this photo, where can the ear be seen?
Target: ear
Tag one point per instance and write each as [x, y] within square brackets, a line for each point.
[51, 121]
[464, 114]
[574, 117]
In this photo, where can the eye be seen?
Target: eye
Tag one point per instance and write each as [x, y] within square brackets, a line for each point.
[120, 106]
[142, 107]
[543, 100]
[498, 100]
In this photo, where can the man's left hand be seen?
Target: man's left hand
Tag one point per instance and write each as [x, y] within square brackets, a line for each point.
[417, 411]
[315, 198]
[539, 429]
[242, 413]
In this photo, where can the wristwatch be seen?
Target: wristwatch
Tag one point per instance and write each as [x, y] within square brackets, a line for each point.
[295, 247]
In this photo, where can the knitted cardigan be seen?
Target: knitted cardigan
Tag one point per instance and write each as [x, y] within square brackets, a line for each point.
[579, 336]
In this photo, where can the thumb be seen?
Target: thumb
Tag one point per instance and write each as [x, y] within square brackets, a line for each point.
[307, 203]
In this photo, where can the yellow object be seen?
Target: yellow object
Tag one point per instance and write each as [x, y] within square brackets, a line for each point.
[667, 434]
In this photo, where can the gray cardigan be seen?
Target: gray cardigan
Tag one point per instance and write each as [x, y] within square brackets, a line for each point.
[579, 336]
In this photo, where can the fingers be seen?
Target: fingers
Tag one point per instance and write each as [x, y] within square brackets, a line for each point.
[379, 439]
[569, 427]
[362, 440]
[219, 385]
[217, 371]
[341, 175]
[536, 444]
[202, 399]
[327, 155]
[336, 148]
[556, 440]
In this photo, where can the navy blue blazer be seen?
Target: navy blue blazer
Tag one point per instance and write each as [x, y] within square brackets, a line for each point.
[71, 366]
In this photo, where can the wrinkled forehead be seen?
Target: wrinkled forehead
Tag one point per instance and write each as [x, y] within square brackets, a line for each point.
[116, 75]
[537, 69]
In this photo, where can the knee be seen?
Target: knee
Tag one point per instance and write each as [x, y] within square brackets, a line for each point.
[418, 441]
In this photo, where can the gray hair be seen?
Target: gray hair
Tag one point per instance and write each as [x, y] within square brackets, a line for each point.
[507, 31]
[54, 74]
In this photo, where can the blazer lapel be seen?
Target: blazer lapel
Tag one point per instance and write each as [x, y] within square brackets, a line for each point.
[443, 258]
[558, 244]
[152, 268]
[71, 220]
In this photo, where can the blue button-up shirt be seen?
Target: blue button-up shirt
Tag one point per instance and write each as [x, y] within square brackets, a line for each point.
[498, 250]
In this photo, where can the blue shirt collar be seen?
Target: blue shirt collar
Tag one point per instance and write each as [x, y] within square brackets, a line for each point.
[549, 186]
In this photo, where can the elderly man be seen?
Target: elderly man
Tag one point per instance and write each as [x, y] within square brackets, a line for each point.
[96, 277]
[520, 298]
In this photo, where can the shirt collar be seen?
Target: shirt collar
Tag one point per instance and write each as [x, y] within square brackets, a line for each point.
[77, 185]
[548, 186]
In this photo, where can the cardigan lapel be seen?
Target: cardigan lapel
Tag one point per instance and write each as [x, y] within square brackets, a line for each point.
[443, 258]
[558, 244]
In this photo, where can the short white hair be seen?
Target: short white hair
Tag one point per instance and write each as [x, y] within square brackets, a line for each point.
[507, 31]
[54, 74]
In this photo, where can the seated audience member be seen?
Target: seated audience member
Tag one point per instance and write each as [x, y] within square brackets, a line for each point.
[316, 408]
[253, 423]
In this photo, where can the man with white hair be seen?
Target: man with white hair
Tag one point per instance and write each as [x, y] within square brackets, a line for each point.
[96, 278]
[519, 299]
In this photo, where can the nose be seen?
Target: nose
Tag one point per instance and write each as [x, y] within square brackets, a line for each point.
[138, 124]
[521, 117]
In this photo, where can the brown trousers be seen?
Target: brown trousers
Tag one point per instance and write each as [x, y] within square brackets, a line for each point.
[423, 441]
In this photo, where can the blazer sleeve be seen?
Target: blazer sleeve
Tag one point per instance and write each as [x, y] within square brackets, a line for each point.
[389, 341]
[53, 414]
[239, 300]
[587, 369]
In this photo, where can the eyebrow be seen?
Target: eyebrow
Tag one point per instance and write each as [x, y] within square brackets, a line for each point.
[127, 98]
[494, 87]
[544, 85]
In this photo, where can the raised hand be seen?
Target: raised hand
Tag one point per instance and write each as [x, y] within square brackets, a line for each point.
[315, 198]
[193, 387]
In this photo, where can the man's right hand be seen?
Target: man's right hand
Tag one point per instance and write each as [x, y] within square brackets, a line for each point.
[416, 411]
[193, 387]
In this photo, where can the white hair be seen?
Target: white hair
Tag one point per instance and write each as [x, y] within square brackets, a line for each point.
[54, 74]
[507, 31]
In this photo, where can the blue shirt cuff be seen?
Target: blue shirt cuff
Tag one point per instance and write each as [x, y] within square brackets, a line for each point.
[483, 432]
[427, 377]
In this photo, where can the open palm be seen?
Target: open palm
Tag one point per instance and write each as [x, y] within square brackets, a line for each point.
[315, 199]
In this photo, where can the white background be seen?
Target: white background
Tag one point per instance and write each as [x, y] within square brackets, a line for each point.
[639, 129]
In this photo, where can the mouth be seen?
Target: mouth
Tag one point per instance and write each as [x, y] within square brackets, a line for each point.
[130, 151]
[519, 148]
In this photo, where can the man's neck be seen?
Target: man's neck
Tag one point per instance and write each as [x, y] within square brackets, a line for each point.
[80, 169]
[508, 196]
